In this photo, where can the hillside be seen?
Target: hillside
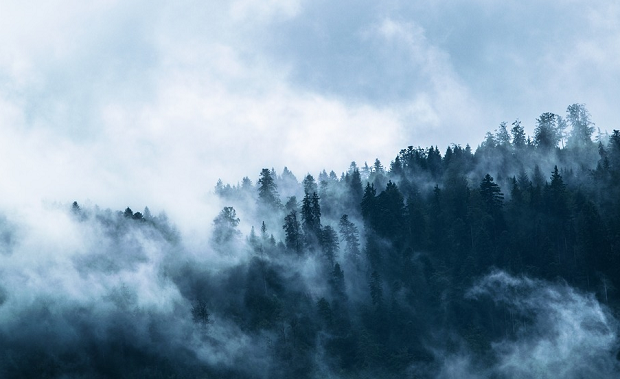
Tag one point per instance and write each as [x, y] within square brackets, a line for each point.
[499, 261]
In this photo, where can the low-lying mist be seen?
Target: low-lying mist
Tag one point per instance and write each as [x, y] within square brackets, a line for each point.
[92, 293]
[498, 263]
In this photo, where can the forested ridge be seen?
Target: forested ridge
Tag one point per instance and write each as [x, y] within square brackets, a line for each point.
[498, 263]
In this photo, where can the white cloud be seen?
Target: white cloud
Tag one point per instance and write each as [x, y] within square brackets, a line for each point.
[210, 110]
[568, 333]
[253, 10]
[140, 104]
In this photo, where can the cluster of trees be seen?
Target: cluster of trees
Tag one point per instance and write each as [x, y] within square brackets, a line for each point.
[364, 274]
[399, 247]
[357, 275]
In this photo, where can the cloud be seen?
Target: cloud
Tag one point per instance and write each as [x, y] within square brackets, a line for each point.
[151, 111]
[561, 332]
[94, 295]
[253, 10]
[149, 104]
[442, 98]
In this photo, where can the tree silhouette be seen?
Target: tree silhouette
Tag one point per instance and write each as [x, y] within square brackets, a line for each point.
[268, 190]
[225, 226]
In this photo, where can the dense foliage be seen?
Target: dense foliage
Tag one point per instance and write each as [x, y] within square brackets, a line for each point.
[415, 237]
[377, 272]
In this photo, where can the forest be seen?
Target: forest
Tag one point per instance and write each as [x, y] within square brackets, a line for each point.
[501, 261]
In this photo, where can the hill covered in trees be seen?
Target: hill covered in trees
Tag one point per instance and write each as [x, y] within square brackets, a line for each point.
[498, 263]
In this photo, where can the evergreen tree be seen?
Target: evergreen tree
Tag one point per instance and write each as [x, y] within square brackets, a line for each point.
[223, 191]
[263, 231]
[377, 167]
[546, 134]
[288, 177]
[356, 191]
[368, 201]
[433, 161]
[329, 244]
[558, 197]
[614, 151]
[489, 141]
[390, 212]
[225, 226]
[524, 182]
[518, 135]
[538, 179]
[147, 213]
[246, 184]
[292, 230]
[491, 195]
[503, 138]
[582, 128]
[309, 184]
[311, 219]
[268, 190]
[396, 167]
[350, 235]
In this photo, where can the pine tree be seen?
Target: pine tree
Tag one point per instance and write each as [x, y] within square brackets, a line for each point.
[311, 219]
[396, 167]
[433, 161]
[329, 244]
[368, 201]
[489, 141]
[356, 191]
[614, 151]
[377, 167]
[225, 226]
[558, 197]
[350, 235]
[491, 195]
[518, 135]
[309, 185]
[292, 230]
[246, 184]
[147, 214]
[502, 136]
[268, 190]
[390, 212]
[546, 135]
[538, 179]
[288, 177]
[263, 231]
[582, 128]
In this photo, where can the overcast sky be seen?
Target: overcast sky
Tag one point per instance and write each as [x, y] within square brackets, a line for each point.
[150, 102]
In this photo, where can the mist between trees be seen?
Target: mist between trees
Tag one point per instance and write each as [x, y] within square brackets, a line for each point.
[498, 263]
